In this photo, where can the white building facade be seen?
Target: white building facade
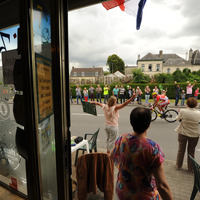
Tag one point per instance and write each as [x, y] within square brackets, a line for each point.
[152, 64]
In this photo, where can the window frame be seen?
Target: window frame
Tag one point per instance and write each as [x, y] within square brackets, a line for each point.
[142, 67]
[158, 67]
[150, 68]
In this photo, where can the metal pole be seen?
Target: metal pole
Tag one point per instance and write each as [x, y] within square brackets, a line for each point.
[112, 67]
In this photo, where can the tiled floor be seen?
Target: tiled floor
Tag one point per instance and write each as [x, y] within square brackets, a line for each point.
[7, 195]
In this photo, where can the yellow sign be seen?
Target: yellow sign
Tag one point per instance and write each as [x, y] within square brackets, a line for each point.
[44, 87]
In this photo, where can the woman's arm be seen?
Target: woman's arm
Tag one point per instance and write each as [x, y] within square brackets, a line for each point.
[161, 183]
[97, 103]
[125, 103]
[194, 83]
[179, 116]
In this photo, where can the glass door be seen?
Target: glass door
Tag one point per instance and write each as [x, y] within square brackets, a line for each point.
[33, 124]
[12, 165]
[43, 94]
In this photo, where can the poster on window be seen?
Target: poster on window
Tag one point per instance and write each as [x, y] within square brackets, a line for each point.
[44, 87]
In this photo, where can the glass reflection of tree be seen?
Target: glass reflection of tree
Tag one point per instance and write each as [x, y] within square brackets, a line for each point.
[46, 35]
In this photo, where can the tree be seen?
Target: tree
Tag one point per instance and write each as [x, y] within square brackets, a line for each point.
[115, 63]
[139, 77]
[186, 71]
[106, 73]
[179, 76]
[160, 78]
[198, 72]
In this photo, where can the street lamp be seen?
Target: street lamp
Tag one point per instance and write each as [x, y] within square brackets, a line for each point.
[111, 65]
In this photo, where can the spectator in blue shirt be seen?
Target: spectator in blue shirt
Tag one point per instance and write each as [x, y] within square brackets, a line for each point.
[115, 92]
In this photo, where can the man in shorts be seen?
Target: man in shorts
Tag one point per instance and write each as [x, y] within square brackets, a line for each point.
[160, 101]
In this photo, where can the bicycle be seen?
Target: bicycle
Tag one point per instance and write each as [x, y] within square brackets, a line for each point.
[169, 115]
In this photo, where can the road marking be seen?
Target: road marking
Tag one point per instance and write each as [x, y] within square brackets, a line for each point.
[197, 149]
[99, 115]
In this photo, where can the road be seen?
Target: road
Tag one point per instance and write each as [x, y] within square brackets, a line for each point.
[160, 131]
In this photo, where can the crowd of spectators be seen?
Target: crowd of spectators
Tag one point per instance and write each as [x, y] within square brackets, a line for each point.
[122, 93]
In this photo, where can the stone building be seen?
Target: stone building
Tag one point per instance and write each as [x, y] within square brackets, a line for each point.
[82, 76]
[152, 64]
[129, 69]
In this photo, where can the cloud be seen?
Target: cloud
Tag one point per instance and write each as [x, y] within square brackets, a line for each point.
[168, 25]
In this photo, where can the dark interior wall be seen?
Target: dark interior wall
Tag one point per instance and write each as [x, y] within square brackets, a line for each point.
[9, 11]
[76, 4]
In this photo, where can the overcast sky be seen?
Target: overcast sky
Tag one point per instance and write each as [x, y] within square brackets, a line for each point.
[169, 25]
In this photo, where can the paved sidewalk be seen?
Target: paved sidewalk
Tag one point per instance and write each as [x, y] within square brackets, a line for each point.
[180, 181]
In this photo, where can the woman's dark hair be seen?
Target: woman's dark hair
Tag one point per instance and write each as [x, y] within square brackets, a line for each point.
[140, 119]
[192, 102]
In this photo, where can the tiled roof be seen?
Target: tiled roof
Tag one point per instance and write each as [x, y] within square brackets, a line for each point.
[119, 74]
[87, 71]
[131, 66]
[168, 59]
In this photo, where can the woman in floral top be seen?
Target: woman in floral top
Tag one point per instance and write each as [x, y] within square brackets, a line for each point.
[140, 162]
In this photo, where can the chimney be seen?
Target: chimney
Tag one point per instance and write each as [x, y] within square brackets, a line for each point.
[160, 53]
[190, 55]
[138, 56]
[186, 55]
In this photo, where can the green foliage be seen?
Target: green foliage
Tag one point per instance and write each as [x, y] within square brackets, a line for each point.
[160, 78]
[198, 72]
[106, 73]
[186, 71]
[115, 63]
[179, 76]
[139, 77]
[169, 78]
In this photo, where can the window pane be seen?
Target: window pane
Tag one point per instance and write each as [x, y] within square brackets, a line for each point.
[150, 68]
[12, 165]
[45, 119]
[142, 68]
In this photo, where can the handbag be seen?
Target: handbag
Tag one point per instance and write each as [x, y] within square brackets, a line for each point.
[78, 139]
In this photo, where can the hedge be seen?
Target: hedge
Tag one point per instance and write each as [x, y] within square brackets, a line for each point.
[170, 88]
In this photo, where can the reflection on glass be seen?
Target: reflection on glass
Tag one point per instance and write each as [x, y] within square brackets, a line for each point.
[12, 165]
[42, 48]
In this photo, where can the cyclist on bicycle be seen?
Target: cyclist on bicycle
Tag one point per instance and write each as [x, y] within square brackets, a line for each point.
[160, 101]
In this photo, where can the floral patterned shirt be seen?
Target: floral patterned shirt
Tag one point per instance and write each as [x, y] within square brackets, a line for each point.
[135, 158]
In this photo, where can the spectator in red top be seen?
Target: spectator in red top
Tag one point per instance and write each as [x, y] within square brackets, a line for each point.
[196, 93]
